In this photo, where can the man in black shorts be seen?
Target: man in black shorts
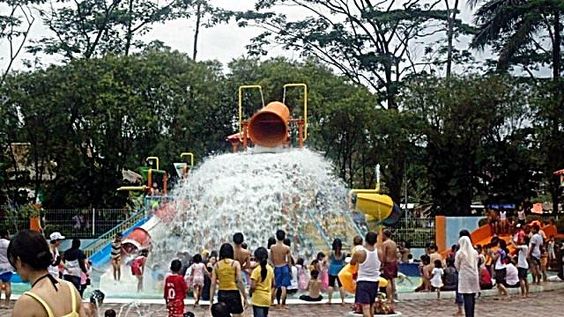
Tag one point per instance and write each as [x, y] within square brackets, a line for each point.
[369, 261]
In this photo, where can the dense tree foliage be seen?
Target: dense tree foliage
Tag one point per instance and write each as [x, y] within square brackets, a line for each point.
[489, 137]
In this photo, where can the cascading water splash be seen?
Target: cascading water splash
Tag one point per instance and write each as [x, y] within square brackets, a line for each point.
[257, 193]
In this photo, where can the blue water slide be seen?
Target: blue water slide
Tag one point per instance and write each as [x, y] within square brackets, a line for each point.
[102, 256]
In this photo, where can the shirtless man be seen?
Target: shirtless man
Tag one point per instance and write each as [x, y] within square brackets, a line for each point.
[389, 264]
[242, 255]
[368, 259]
[434, 253]
[280, 256]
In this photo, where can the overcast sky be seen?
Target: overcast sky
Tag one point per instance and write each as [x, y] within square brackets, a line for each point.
[222, 42]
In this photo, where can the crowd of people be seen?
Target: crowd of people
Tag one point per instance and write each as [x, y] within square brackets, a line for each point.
[264, 278]
[237, 278]
[499, 265]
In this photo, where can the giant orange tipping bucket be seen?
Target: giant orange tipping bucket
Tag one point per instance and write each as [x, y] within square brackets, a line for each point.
[138, 239]
[269, 126]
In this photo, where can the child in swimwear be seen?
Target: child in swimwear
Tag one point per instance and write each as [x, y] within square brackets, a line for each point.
[197, 272]
[437, 277]
[138, 268]
[314, 289]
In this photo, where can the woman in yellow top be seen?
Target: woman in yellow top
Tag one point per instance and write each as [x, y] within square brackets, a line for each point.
[29, 253]
[226, 275]
[262, 283]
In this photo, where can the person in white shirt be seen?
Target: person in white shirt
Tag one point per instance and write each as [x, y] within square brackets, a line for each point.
[535, 246]
[55, 240]
[511, 276]
[6, 269]
[437, 277]
[369, 260]
[500, 268]
[293, 288]
[503, 222]
[522, 267]
[466, 263]
[521, 217]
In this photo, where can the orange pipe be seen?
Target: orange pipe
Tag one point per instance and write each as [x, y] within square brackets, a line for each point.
[269, 126]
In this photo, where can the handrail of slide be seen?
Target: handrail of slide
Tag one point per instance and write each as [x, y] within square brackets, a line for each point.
[107, 237]
[319, 228]
[354, 224]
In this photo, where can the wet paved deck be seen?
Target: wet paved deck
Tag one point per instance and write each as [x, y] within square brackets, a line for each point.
[549, 303]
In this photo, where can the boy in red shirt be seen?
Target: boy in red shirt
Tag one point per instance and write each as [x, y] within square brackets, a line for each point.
[175, 289]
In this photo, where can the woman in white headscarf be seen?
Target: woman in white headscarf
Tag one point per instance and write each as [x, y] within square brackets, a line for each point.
[466, 262]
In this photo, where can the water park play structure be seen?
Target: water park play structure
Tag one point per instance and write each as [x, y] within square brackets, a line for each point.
[270, 126]
[269, 182]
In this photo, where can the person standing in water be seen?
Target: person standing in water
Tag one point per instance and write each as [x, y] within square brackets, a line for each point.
[75, 263]
[198, 274]
[369, 261]
[336, 263]
[116, 257]
[6, 269]
[242, 255]
[175, 290]
[227, 276]
[138, 268]
[29, 254]
[390, 264]
[262, 283]
[280, 255]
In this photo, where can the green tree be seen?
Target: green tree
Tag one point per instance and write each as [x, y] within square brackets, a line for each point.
[94, 28]
[528, 34]
[95, 117]
[547, 101]
[369, 42]
[471, 125]
[15, 24]
[525, 33]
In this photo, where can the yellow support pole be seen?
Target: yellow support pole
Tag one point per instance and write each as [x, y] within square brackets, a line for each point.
[154, 158]
[132, 188]
[191, 155]
[304, 86]
[241, 88]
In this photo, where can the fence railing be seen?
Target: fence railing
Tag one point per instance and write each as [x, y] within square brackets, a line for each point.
[109, 235]
[83, 223]
[417, 232]
[73, 223]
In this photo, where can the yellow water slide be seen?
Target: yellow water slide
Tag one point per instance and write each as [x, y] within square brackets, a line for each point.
[375, 206]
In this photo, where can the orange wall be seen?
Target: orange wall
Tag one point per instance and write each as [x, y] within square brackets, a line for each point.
[440, 232]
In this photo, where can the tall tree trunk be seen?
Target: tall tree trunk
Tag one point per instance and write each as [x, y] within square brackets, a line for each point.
[558, 102]
[197, 31]
[129, 35]
[390, 90]
[450, 35]
[556, 46]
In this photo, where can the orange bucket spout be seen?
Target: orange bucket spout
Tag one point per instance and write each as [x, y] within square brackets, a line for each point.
[269, 126]
[139, 239]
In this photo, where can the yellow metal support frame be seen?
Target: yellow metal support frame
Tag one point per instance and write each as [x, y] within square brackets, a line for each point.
[189, 154]
[154, 158]
[304, 86]
[241, 89]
